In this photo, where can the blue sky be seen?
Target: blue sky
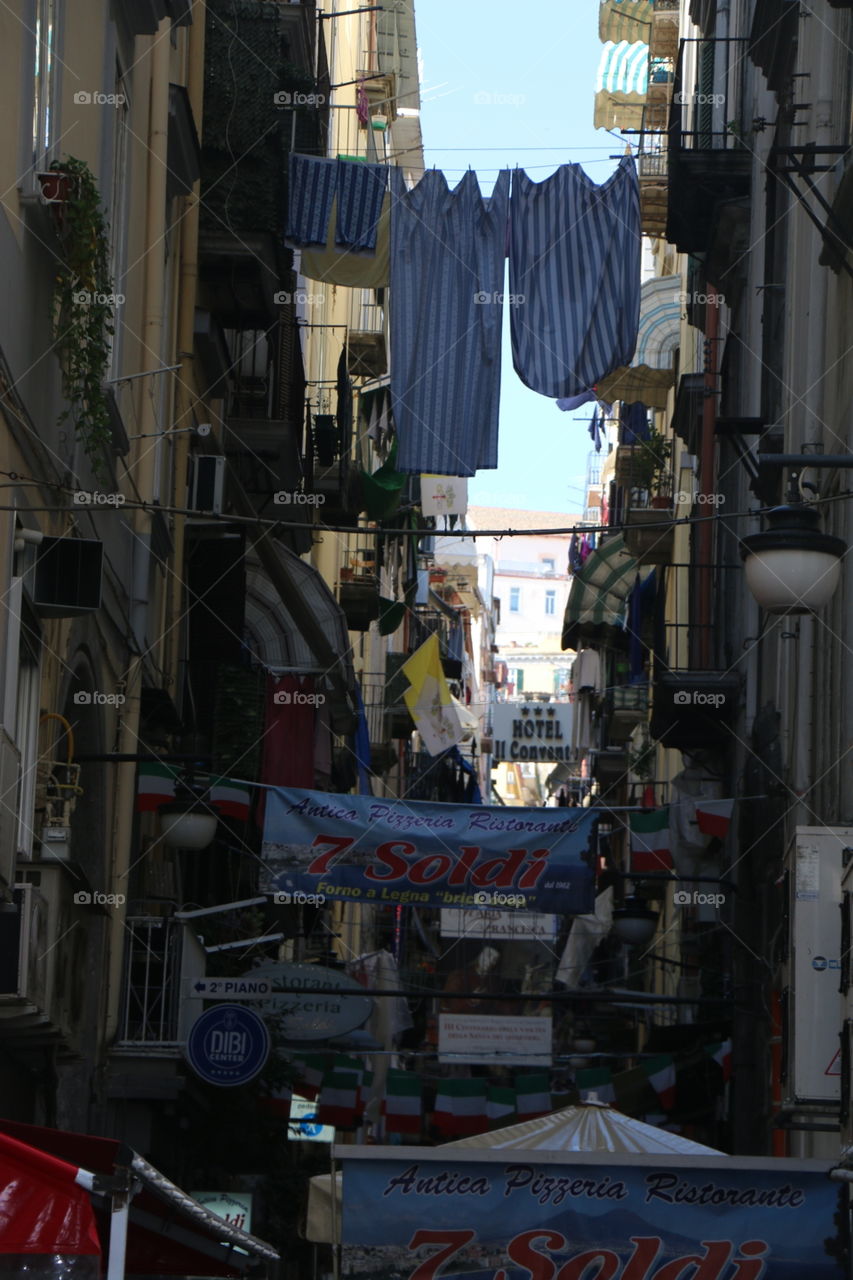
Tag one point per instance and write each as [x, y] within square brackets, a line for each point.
[508, 84]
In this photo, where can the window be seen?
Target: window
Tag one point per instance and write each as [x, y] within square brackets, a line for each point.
[515, 599]
[550, 603]
[44, 81]
[549, 566]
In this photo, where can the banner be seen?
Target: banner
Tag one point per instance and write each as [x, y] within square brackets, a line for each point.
[366, 849]
[601, 1217]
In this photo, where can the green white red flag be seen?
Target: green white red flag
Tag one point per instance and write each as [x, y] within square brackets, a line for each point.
[310, 1069]
[722, 1055]
[402, 1105]
[660, 1073]
[595, 1085]
[156, 786]
[342, 1094]
[460, 1108]
[650, 845]
[500, 1105]
[533, 1095]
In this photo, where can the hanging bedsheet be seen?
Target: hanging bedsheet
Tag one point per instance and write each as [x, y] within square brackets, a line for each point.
[447, 272]
[574, 270]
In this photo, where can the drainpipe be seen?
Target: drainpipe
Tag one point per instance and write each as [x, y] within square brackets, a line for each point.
[186, 390]
[705, 536]
[147, 452]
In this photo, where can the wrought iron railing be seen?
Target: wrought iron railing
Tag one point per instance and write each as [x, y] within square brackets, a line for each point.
[706, 108]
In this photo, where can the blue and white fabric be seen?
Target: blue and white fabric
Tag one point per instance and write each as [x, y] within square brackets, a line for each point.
[447, 273]
[361, 190]
[311, 185]
[574, 271]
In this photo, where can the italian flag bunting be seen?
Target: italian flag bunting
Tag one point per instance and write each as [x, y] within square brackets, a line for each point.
[714, 817]
[722, 1055]
[595, 1085]
[310, 1069]
[533, 1096]
[650, 848]
[402, 1105]
[155, 785]
[500, 1105]
[660, 1073]
[341, 1100]
[460, 1108]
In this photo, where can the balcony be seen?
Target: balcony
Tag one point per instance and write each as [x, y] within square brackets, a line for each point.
[359, 589]
[162, 957]
[663, 39]
[709, 164]
[628, 706]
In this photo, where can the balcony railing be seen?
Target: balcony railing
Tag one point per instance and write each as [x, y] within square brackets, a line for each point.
[707, 95]
[162, 956]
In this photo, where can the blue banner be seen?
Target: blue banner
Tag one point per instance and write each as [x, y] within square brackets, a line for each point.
[598, 1218]
[367, 849]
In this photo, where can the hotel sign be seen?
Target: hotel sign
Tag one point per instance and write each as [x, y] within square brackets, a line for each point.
[524, 731]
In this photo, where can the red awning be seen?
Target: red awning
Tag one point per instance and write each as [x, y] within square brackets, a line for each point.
[169, 1233]
[43, 1208]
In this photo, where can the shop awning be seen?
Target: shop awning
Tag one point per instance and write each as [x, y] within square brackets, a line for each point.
[169, 1233]
[621, 85]
[599, 593]
[628, 20]
[45, 1205]
[650, 375]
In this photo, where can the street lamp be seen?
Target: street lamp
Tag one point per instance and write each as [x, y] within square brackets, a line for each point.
[634, 922]
[188, 821]
[793, 566]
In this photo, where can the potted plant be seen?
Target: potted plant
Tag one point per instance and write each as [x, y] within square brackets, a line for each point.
[83, 301]
[651, 467]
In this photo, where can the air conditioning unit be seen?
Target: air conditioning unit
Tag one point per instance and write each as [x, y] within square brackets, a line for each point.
[24, 950]
[816, 860]
[207, 482]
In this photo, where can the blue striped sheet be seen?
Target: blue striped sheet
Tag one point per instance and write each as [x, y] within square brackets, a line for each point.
[361, 190]
[574, 270]
[311, 186]
[447, 256]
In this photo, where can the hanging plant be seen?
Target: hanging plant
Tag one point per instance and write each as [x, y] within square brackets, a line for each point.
[83, 307]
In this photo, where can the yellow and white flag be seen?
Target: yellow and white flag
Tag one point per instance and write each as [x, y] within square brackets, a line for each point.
[430, 701]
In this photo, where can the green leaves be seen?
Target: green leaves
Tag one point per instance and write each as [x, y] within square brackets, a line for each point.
[83, 310]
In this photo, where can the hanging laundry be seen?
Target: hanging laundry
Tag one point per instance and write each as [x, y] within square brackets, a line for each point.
[332, 265]
[447, 271]
[362, 104]
[574, 270]
[361, 192]
[594, 429]
[311, 186]
[567, 403]
[633, 423]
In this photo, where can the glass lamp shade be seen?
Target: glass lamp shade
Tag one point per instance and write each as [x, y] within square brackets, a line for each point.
[187, 824]
[792, 567]
[634, 922]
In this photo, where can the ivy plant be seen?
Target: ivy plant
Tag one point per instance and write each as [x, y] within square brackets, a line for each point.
[83, 308]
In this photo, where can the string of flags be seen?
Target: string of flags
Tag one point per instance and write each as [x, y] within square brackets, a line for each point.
[156, 785]
[652, 837]
[341, 1087]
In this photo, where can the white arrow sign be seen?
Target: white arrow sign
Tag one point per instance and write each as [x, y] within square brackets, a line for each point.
[229, 988]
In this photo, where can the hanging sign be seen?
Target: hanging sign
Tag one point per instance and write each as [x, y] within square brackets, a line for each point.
[525, 731]
[228, 1045]
[512, 1215]
[310, 1002]
[382, 851]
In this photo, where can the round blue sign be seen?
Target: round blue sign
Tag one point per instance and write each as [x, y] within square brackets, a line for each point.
[228, 1045]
